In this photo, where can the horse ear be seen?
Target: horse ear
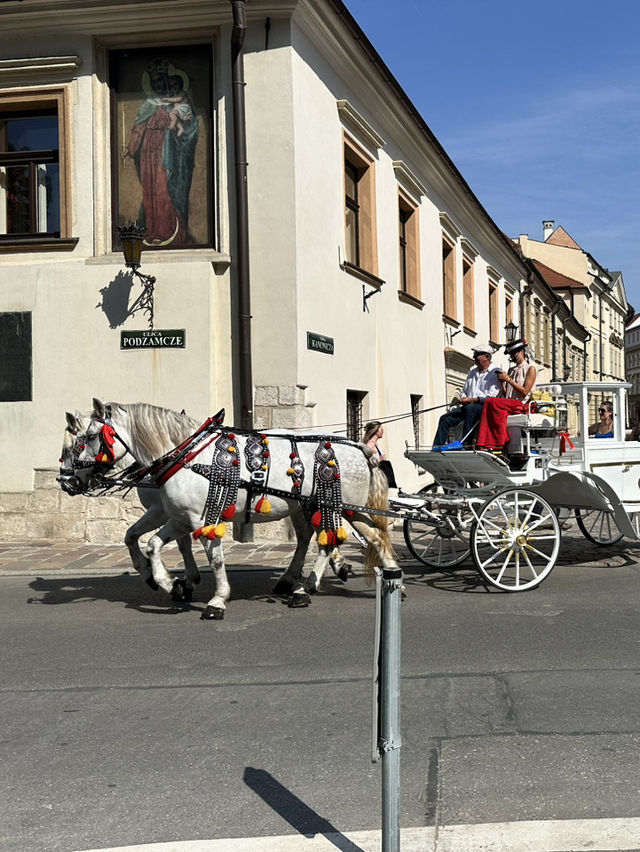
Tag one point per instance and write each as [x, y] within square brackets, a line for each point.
[72, 423]
[98, 407]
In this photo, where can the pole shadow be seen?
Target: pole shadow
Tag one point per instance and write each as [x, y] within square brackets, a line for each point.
[298, 814]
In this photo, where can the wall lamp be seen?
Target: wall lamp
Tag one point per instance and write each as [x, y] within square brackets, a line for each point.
[131, 237]
[511, 331]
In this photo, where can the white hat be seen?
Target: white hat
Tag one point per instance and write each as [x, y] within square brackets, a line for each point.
[482, 349]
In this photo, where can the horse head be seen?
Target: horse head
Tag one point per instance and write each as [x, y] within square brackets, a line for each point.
[73, 444]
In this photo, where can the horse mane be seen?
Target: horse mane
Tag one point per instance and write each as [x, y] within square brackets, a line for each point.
[154, 430]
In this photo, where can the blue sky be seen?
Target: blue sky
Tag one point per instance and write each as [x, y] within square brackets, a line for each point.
[537, 104]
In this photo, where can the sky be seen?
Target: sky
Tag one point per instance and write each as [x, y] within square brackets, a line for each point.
[537, 104]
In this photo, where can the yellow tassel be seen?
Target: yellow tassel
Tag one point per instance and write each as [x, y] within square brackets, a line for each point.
[322, 538]
[331, 463]
[290, 472]
[221, 530]
[263, 506]
[341, 534]
[232, 449]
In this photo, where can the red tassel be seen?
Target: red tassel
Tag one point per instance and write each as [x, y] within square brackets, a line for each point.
[348, 513]
[316, 519]
[229, 512]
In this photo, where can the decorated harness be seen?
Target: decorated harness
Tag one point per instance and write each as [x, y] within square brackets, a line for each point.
[323, 506]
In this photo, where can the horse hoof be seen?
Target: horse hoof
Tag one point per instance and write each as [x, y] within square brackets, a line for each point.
[179, 591]
[282, 587]
[403, 593]
[343, 573]
[212, 613]
[151, 583]
[300, 599]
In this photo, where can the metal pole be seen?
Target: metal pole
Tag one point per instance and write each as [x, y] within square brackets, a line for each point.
[390, 741]
[242, 215]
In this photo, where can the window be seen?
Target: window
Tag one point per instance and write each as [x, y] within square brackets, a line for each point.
[33, 172]
[359, 209]
[355, 400]
[409, 248]
[494, 332]
[467, 293]
[15, 357]
[416, 404]
[508, 308]
[449, 279]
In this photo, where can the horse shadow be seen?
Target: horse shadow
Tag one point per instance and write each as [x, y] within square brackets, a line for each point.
[249, 584]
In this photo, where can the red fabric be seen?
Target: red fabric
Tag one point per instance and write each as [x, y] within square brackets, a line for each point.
[492, 431]
[108, 435]
[564, 440]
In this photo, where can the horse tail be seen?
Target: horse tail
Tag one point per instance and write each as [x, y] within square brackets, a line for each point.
[378, 498]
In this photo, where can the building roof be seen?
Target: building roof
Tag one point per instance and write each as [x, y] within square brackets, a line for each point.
[634, 322]
[557, 280]
[560, 237]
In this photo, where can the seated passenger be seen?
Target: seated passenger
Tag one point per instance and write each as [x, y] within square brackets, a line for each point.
[603, 429]
[517, 384]
[482, 383]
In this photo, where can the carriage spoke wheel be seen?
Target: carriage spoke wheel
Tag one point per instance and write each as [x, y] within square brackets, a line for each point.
[437, 545]
[515, 540]
[598, 527]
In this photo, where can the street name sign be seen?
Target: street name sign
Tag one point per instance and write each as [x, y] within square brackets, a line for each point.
[168, 338]
[319, 343]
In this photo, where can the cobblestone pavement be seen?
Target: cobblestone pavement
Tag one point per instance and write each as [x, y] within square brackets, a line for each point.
[27, 558]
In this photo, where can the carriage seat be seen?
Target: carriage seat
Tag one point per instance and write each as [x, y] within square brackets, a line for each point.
[519, 427]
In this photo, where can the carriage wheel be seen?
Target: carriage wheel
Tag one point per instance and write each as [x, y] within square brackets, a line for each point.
[438, 546]
[515, 540]
[598, 527]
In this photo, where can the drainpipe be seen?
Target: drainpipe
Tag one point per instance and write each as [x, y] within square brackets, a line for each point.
[242, 215]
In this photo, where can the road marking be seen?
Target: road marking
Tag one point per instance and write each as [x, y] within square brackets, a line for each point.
[572, 835]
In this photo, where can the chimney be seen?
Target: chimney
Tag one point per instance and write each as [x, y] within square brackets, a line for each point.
[548, 226]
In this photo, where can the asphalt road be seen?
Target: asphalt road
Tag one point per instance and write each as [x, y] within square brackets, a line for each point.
[126, 720]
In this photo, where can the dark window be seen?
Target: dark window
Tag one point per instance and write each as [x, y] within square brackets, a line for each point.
[354, 414]
[30, 171]
[15, 357]
[352, 212]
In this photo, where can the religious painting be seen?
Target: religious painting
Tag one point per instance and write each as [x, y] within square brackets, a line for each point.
[162, 144]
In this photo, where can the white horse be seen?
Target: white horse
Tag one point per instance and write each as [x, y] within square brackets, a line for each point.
[155, 516]
[181, 427]
[258, 477]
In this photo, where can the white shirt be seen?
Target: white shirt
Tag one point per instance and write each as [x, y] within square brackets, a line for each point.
[483, 384]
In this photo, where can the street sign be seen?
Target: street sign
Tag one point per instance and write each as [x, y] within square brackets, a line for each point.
[319, 343]
[172, 338]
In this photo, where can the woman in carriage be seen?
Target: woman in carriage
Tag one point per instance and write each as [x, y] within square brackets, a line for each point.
[517, 384]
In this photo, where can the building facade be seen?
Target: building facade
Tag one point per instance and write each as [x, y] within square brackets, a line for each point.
[352, 283]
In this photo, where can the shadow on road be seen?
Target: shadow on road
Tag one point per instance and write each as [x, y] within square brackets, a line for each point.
[298, 814]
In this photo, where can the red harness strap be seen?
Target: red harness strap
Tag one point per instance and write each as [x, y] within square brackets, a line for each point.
[189, 456]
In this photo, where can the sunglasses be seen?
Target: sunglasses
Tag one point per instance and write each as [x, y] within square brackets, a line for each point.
[603, 411]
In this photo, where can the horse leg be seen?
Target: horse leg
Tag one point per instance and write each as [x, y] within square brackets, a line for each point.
[323, 558]
[172, 586]
[340, 566]
[291, 578]
[216, 607]
[191, 572]
[153, 518]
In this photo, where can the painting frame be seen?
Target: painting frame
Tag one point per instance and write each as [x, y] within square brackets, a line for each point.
[162, 124]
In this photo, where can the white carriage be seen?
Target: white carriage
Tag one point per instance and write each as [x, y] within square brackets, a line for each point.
[504, 511]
